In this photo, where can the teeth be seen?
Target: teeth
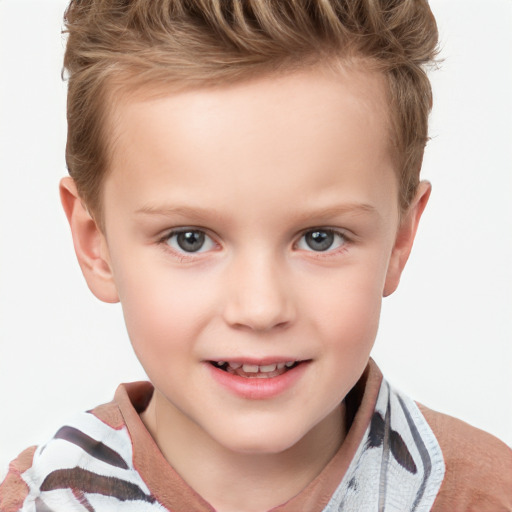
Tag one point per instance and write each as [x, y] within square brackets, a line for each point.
[250, 368]
[254, 368]
[268, 368]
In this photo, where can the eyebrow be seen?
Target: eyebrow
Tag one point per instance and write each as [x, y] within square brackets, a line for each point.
[197, 212]
[205, 214]
[342, 209]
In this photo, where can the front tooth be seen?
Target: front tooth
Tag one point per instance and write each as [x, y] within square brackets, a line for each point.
[250, 368]
[221, 363]
[280, 366]
[268, 368]
[289, 364]
[235, 366]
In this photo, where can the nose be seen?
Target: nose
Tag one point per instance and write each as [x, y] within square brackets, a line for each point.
[259, 295]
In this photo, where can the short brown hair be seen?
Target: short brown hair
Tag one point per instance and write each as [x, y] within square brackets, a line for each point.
[116, 44]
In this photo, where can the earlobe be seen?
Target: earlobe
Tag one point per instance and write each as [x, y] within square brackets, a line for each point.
[90, 244]
[405, 238]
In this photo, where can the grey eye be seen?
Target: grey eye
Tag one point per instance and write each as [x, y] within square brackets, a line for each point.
[190, 241]
[321, 240]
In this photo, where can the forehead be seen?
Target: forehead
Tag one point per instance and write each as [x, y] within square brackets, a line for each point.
[293, 132]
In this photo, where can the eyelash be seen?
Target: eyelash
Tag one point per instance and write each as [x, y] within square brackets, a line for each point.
[328, 252]
[184, 256]
[190, 256]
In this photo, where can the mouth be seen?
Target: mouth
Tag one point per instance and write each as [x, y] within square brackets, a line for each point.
[254, 371]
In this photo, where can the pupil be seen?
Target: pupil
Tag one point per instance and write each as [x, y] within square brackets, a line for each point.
[319, 240]
[190, 241]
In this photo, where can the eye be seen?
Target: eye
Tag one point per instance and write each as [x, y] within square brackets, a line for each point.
[321, 240]
[190, 241]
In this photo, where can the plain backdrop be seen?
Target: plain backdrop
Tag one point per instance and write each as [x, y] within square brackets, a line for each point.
[445, 336]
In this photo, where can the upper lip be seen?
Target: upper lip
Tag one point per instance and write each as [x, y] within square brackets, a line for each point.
[258, 361]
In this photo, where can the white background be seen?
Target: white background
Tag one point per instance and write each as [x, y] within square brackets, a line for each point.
[446, 335]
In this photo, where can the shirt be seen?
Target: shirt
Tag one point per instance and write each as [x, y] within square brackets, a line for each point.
[397, 456]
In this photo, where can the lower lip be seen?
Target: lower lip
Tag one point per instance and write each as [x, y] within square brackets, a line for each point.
[258, 388]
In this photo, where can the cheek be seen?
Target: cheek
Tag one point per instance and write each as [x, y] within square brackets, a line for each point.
[354, 322]
[348, 328]
[162, 310]
[346, 310]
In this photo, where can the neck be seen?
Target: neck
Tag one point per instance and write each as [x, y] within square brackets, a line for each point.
[240, 482]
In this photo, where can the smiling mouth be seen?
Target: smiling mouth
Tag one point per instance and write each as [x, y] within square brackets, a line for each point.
[254, 371]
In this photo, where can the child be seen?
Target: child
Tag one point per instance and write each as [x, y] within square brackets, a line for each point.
[245, 180]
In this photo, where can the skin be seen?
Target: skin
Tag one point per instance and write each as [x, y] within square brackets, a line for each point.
[255, 166]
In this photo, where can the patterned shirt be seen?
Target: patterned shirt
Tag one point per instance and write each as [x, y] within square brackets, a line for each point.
[397, 456]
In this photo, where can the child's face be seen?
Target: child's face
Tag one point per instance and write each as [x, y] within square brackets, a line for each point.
[254, 224]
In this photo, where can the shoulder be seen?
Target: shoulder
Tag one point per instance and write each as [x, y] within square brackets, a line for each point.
[14, 490]
[478, 467]
[91, 453]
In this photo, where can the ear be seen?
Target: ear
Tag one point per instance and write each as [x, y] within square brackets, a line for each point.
[405, 238]
[90, 244]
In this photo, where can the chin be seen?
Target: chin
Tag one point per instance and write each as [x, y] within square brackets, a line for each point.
[260, 447]
[260, 441]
